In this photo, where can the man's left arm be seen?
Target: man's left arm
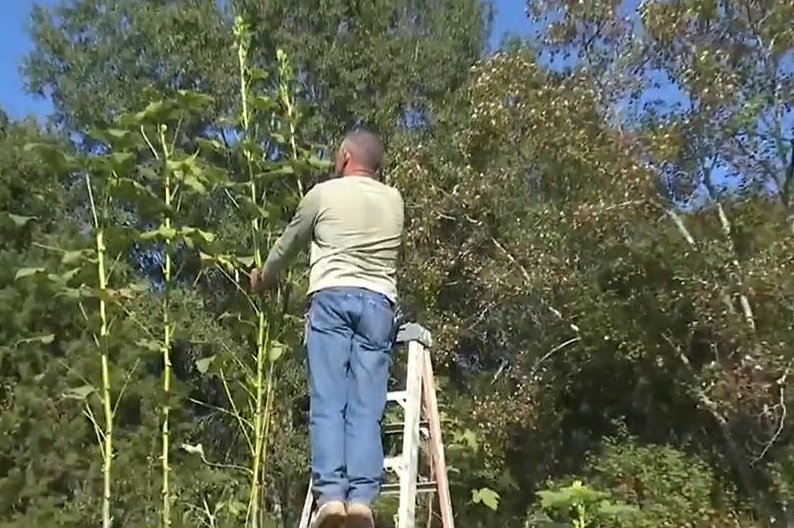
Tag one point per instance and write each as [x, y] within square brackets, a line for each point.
[296, 235]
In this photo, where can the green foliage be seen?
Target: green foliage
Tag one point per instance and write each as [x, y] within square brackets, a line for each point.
[487, 497]
[570, 240]
[144, 172]
[580, 506]
[644, 486]
[370, 63]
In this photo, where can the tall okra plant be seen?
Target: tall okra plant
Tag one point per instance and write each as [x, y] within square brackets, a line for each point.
[140, 177]
[273, 163]
[90, 278]
[174, 177]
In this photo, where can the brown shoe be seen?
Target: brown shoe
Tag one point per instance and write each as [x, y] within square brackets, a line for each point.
[329, 515]
[359, 516]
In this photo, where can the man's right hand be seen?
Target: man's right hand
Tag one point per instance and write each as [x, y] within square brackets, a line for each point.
[261, 281]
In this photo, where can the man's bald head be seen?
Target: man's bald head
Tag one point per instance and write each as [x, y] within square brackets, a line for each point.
[360, 152]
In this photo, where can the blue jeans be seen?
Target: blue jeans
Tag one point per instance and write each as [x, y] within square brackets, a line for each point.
[349, 338]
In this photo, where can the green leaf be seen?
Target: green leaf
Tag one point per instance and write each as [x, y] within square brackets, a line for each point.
[236, 507]
[281, 169]
[203, 364]
[195, 233]
[275, 212]
[122, 293]
[487, 497]
[138, 287]
[138, 194]
[115, 137]
[115, 162]
[156, 112]
[54, 157]
[275, 351]
[258, 74]
[73, 257]
[68, 275]
[75, 293]
[610, 509]
[211, 145]
[19, 220]
[465, 441]
[541, 520]
[149, 344]
[224, 261]
[28, 272]
[187, 165]
[165, 233]
[79, 393]
[552, 499]
[563, 498]
[149, 173]
[194, 174]
[237, 317]
[246, 261]
[119, 237]
[251, 208]
[214, 175]
[301, 166]
[195, 185]
[263, 103]
[320, 164]
[194, 101]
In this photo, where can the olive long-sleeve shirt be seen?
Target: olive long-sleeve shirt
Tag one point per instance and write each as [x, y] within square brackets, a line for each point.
[355, 226]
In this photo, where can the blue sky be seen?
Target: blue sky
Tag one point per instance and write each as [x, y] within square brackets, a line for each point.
[15, 44]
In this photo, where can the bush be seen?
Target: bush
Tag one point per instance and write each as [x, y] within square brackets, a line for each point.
[671, 488]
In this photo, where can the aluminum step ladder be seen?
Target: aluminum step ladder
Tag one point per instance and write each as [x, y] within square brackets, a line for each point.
[422, 423]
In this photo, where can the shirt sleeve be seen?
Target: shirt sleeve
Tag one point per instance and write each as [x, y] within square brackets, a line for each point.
[296, 235]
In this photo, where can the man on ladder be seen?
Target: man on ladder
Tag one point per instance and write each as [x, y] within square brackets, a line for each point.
[355, 224]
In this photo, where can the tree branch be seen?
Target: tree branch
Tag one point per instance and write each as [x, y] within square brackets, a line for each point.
[528, 279]
[551, 352]
[781, 423]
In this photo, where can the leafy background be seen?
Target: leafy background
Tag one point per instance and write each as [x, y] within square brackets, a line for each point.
[599, 234]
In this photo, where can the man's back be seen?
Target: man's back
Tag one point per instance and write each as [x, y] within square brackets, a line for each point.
[357, 235]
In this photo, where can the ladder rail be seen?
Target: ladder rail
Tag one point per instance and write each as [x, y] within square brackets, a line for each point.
[436, 444]
[308, 506]
[406, 514]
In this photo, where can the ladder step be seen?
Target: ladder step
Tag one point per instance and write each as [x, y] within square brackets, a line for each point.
[393, 463]
[396, 396]
[421, 487]
[397, 427]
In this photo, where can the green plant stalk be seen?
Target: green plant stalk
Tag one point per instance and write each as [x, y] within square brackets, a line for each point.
[581, 516]
[242, 59]
[106, 404]
[262, 335]
[166, 409]
[289, 105]
[291, 111]
[104, 330]
[266, 426]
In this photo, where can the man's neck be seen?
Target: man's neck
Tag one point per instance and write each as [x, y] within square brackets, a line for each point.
[359, 171]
